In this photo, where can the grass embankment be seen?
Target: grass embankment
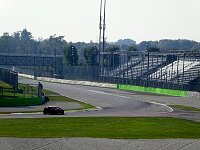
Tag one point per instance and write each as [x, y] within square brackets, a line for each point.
[100, 127]
[4, 85]
[10, 98]
[67, 99]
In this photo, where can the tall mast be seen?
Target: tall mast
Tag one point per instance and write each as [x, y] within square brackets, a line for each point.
[100, 28]
[104, 25]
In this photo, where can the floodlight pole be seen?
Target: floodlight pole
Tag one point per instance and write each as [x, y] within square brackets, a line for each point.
[102, 26]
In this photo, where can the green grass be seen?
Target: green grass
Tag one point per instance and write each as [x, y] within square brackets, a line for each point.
[101, 127]
[47, 92]
[19, 99]
[35, 88]
[5, 85]
[67, 99]
[61, 98]
[9, 98]
[185, 108]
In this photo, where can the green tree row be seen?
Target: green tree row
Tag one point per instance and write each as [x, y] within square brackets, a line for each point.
[81, 53]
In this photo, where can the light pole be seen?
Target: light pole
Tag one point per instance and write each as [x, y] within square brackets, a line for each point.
[147, 51]
[55, 53]
[102, 26]
[72, 55]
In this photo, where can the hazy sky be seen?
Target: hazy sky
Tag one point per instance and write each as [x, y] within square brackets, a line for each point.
[78, 20]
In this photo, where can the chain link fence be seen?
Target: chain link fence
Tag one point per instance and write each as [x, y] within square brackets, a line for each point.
[179, 70]
[9, 77]
[172, 70]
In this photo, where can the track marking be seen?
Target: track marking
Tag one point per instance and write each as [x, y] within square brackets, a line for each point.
[171, 109]
[26, 113]
[156, 103]
[108, 94]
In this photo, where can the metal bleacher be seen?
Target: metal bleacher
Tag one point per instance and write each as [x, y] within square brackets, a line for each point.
[174, 70]
[178, 71]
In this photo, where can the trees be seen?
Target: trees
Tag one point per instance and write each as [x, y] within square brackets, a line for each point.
[112, 59]
[27, 42]
[180, 44]
[22, 42]
[71, 55]
[143, 44]
[127, 42]
[90, 54]
[133, 48]
[6, 43]
[152, 49]
[54, 45]
[196, 47]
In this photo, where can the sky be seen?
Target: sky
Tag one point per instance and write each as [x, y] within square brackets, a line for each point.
[78, 20]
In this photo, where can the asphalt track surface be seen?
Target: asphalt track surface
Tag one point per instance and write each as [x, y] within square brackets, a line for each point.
[111, 102]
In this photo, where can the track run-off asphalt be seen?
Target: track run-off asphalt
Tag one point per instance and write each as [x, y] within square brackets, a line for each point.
[109, 102]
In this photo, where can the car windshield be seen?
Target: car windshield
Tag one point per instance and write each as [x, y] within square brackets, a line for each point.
[54, 107]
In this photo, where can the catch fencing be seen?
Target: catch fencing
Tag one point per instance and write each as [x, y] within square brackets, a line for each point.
[178, 70]
[9, 77]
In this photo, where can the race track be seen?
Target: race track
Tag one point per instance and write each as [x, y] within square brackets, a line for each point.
[111, 102]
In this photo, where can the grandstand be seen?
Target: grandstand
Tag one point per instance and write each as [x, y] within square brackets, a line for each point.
[179, 69]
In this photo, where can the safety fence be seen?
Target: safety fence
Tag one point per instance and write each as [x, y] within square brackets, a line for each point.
[9, 77]
[25, 95]
[177, 70]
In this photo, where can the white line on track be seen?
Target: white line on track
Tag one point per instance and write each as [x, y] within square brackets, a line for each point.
[108, 94]
[156, 103]
[171, 109]
[26, 113]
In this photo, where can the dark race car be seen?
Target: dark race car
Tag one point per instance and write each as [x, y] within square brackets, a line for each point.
[54, 110]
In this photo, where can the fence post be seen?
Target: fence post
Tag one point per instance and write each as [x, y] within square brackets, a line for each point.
[40, 88]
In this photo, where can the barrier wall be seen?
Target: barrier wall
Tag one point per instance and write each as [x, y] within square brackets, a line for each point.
[153, 90]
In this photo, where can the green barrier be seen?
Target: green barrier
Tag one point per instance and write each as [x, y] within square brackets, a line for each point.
[20, 102]
[152, 90]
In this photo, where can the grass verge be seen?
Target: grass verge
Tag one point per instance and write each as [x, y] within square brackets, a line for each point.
[67, 99]
[5, 85]
[101, 127]
[181, 107]
[10, 98]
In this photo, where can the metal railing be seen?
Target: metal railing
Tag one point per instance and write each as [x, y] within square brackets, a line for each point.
[172, 70]
[9, 77]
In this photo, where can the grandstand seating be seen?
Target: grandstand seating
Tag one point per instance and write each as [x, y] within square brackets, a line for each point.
[178, 72]
[136, 67]
[158, 69]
